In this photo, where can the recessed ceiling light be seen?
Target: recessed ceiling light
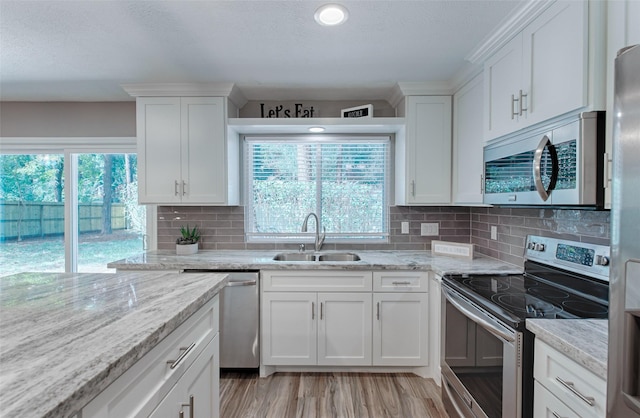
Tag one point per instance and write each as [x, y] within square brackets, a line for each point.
[316, 129]
[331, 15]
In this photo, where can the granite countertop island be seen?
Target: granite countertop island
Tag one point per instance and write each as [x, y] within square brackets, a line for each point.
[263, 260]
[583, 340]
[65, 337]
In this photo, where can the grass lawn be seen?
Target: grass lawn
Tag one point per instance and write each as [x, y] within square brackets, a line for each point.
[94, 252]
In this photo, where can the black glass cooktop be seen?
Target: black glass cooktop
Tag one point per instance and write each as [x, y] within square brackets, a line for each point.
[514, 298]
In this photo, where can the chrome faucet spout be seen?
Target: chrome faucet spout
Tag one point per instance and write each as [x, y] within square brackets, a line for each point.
[319, 238]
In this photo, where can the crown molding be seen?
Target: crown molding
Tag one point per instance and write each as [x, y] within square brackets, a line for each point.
[418, 88]
[186, 89]
[507, 29]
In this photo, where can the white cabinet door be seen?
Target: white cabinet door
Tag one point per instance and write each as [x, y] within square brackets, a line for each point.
[182, 150]
[401, 329]
[435, 319]
[203, 155]
[159, 147]
[197, 390]
[344, 329]
[427, 153]
[502, 83]
[556, 61]
[468, 143]
[289, 331]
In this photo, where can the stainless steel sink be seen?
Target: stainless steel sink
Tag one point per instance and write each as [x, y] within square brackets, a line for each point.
[339, 257]
[316, 257]
[295, 257]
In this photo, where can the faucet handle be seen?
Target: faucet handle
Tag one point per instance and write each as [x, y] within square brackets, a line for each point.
[321, 239]
[301, 248]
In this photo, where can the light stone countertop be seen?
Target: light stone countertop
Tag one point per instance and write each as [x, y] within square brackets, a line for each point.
[583, 340]
[263, 260]
[65, 337]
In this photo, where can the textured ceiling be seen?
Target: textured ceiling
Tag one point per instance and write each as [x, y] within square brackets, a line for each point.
[84, 50]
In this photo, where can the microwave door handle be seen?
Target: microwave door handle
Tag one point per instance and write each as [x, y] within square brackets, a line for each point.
[537, 168]
[492, 328]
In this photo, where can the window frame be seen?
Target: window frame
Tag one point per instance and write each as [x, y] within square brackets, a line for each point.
[297, 237]
[69, 147]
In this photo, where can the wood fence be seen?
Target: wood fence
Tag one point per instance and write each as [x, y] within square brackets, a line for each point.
[42, 219]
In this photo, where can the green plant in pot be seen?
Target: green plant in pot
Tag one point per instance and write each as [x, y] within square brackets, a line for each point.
[188, 242]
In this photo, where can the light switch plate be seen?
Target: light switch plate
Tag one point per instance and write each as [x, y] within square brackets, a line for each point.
[404, 227]
[429, 229]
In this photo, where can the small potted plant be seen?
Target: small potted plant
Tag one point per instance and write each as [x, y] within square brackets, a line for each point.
[188, 243]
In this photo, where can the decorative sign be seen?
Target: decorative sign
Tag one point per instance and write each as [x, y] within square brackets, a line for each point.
[365, 111]
[279, 111]
[454, 249]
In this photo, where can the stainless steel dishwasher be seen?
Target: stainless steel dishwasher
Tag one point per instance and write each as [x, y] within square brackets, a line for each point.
[239, 320]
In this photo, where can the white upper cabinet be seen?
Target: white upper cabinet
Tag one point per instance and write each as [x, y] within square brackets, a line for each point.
[553, 66]
[183, 152]
[423, 156]
[468, 143]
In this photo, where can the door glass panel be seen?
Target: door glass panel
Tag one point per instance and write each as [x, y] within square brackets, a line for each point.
[111, 224]
[31, 213]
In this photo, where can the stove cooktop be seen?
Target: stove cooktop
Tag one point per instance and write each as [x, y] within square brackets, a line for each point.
[514, 298]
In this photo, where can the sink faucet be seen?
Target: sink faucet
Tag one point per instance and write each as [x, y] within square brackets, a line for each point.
[319, 238]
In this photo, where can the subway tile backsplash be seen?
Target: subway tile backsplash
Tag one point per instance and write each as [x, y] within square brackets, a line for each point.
[223, 228]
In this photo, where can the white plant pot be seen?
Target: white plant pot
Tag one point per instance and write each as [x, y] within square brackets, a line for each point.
[186, 249]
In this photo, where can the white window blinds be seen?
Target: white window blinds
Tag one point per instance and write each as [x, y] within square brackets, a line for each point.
[344, 180]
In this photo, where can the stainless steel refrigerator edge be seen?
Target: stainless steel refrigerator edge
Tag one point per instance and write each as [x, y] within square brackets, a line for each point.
[623, 391]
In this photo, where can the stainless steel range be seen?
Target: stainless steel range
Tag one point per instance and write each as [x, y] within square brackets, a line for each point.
[487, 361]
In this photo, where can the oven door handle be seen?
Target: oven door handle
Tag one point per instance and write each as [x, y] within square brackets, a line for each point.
[492, 328]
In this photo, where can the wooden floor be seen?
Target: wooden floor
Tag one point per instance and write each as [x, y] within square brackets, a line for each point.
[321, 395]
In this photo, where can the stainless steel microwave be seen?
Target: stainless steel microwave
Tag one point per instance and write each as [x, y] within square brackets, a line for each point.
[560, 164]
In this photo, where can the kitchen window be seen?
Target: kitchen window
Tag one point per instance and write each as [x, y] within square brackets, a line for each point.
[343, 179]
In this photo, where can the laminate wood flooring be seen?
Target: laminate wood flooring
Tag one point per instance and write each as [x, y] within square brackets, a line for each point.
[324, 395]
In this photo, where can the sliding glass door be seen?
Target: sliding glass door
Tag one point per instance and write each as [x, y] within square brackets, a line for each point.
[68, 211]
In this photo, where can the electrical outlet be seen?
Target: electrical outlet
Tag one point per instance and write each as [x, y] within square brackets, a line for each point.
[429, 229]
[404, 227]
[494, 232]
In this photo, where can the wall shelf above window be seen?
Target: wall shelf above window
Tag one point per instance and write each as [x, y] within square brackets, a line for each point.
[301, 125]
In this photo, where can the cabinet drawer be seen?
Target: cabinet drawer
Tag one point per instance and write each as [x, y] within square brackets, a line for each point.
[548, 406]
[142, 387]
[574, 385]
[315, 281]
[400, 281]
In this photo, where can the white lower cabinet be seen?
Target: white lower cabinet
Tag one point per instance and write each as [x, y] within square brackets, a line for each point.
[344, 323]
[197, 390]
[565, 388]
[182, 369]
[401, 329]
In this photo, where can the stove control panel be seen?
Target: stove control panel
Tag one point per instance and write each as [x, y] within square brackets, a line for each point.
[580, 257]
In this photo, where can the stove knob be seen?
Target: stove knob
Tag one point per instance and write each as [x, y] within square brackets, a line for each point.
[602, 260]
[531, 245]
[539, 247]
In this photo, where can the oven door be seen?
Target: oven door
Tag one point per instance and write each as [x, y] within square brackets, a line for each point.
[481, 361]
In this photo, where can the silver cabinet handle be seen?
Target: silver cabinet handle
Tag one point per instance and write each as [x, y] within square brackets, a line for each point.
[191, 408]
[537, 167]
[522, 108]
[378, 311]
[513, 106]
[185, 351]
[181, 414]
[184, 188]
[404, 283]
[569, 385]
[321, 308]
[555, 414]
[313, 311]
[413, 188]
[175, 188]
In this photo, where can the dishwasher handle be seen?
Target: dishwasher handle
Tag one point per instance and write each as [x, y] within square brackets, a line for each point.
[242, 283]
